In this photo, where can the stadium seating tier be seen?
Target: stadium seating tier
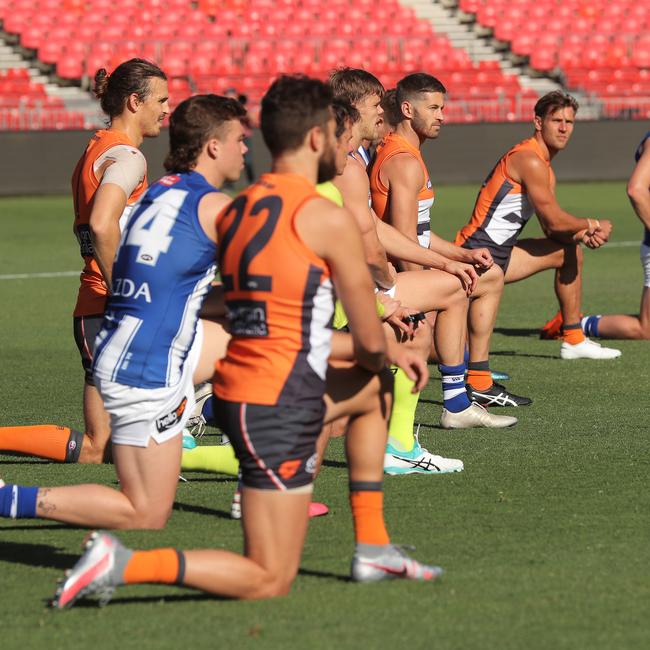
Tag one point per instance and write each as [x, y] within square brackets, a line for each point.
[598, 47]
[213, 45]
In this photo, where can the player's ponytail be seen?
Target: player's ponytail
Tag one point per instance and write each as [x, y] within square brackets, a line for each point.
[101, 83]
[130, 77]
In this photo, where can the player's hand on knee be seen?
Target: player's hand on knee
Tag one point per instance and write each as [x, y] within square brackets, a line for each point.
[603, 230]
[480, 258]
[466, 273]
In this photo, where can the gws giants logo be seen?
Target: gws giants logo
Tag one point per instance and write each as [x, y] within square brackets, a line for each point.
[172, 418]
[310, 465]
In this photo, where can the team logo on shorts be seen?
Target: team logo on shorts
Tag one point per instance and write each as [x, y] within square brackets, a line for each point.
[310, 465]
[172, 418]
[288, 469]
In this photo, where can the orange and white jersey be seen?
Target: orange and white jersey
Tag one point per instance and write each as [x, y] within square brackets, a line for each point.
[279, 298]
[392, 145]
[92, 295]
[502, 207]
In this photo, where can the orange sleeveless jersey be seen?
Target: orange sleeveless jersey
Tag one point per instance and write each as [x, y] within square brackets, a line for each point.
[502, 208]
[392, 145]
[279, 299]
[92, 292]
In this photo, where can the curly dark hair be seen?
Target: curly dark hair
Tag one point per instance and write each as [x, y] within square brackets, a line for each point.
[193, 122]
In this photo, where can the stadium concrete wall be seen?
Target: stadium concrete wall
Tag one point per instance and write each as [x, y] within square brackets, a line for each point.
[42, 162]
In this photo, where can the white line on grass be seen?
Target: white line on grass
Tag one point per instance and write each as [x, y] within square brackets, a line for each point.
[623, 244]
[66, 274]
[29, 276]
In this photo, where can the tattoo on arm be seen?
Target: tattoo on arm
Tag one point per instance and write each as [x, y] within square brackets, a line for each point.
[45, 506]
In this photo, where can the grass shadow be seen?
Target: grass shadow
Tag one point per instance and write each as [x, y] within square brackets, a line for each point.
[512, 353]
[37, 555]
[209, 479]
[40, 526]
[517, 331]
[202, 510]
[311, 573]
[334, 463]
[89, 603]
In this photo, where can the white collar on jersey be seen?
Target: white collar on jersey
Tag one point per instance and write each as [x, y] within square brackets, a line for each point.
[364, 153]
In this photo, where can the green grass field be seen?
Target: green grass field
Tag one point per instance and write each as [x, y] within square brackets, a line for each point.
[545, 536]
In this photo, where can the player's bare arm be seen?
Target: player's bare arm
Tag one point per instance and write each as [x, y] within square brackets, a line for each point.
[525, 167]
[214, 305]
[209, 207]
[402, 248]
[638, 187]
[403, 176]
[479, 257]
[332, 234]
[109, 203]
[353, 185]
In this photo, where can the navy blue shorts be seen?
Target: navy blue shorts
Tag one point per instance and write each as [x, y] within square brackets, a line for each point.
[275, 445]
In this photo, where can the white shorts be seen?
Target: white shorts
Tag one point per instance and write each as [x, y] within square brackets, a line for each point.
[139, 414]
[645, 263]
[389, 292]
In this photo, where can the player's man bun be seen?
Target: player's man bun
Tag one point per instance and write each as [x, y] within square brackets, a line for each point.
[129, 77]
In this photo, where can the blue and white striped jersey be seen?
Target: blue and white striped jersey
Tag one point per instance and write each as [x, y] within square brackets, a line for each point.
[162, 271]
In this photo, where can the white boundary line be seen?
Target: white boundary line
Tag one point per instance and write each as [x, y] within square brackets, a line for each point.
[622, 244]
[67, 274]
[29, 276]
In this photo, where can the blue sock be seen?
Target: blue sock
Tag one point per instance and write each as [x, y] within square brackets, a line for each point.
[590, 325]
[208, 411]
[18, 502]
[454, 395]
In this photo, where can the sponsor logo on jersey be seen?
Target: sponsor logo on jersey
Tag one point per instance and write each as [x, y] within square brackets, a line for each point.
[172, 418]
[247, 318]
[170, 180]
[310, 465]
[127, 289]
[289, 469]
[85, 240]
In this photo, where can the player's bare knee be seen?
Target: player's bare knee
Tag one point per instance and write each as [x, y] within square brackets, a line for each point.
[422, 338]
[644, 331]
[270, 585]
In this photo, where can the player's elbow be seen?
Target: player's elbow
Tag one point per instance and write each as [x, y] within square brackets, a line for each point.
[100, 228]
[636, 192]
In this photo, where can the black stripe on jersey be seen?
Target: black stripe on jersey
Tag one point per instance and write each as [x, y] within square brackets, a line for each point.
[303, 387]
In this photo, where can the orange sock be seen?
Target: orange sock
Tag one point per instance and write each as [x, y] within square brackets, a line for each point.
[164, 565]
[367, 502]
[43, 440]
[479, 379]
[572, 334]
